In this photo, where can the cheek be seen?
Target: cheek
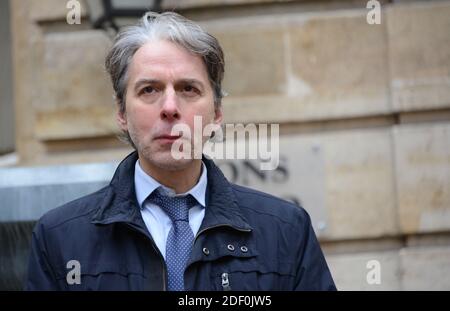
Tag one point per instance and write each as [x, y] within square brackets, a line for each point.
[207, 113]
[140, 117]
[199, 119]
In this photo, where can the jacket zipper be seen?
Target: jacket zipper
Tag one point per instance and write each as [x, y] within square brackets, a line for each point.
[157, 251]
[225, 282]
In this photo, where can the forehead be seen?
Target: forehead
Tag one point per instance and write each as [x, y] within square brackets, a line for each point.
[163, 59]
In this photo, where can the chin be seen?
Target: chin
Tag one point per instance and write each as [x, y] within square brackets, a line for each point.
[165, 161]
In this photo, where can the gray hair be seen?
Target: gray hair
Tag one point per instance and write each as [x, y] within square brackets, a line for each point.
[164, 26]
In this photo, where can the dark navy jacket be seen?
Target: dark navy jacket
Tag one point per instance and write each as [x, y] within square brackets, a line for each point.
[273, 246]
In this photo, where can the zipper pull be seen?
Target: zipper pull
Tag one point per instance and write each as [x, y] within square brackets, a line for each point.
[225, 282]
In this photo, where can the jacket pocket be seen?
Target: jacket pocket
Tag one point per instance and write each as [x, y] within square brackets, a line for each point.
[101, 276]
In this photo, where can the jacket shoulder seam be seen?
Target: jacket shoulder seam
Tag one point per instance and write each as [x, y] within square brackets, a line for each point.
[272, 215]
[93, 210]
[70, 219]
[262, 194]
[278, 200]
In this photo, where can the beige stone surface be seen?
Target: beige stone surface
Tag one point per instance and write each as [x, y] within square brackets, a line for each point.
[350, 271]
[299, 176]
[344, 180]
[254, 60]
[304, 67]
[71, 123]
[87, 155]
[409, 268]
[75, 96]
[360, 192]
[436, 239]
[339, 66]
[422, 163]
[24, 34]
[419, 55]
[425, 268]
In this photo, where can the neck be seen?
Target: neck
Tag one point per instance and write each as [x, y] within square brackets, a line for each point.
[180, 180]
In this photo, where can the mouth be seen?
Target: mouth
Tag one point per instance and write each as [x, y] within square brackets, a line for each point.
[167, 139]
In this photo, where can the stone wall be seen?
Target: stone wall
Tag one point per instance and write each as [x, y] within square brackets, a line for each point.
[364, 114]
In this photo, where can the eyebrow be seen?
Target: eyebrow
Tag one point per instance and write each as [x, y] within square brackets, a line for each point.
[141, 82]
[191, 81]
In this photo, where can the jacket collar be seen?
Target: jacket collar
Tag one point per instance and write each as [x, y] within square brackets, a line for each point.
[120, 203]
[145, 184]
[221, 204]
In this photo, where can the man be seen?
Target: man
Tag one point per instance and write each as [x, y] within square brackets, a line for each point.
[168, 223]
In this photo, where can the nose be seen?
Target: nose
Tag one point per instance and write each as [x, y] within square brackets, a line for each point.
[169, 109]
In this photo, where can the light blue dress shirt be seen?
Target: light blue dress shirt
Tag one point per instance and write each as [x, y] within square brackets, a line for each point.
[157, 221]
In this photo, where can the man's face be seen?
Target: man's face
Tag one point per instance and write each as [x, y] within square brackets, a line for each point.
[167, 85]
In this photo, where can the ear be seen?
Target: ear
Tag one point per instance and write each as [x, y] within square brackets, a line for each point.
[218, 115]
[121, 118]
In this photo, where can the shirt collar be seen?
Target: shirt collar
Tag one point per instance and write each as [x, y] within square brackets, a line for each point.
[145, 185]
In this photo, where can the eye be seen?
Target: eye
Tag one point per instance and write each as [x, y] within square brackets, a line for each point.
[190, 89]
[148, 90]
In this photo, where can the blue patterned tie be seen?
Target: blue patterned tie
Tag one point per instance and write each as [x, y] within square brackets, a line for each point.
[180, 239]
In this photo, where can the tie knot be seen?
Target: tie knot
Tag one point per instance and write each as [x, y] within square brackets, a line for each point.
[177, 208]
